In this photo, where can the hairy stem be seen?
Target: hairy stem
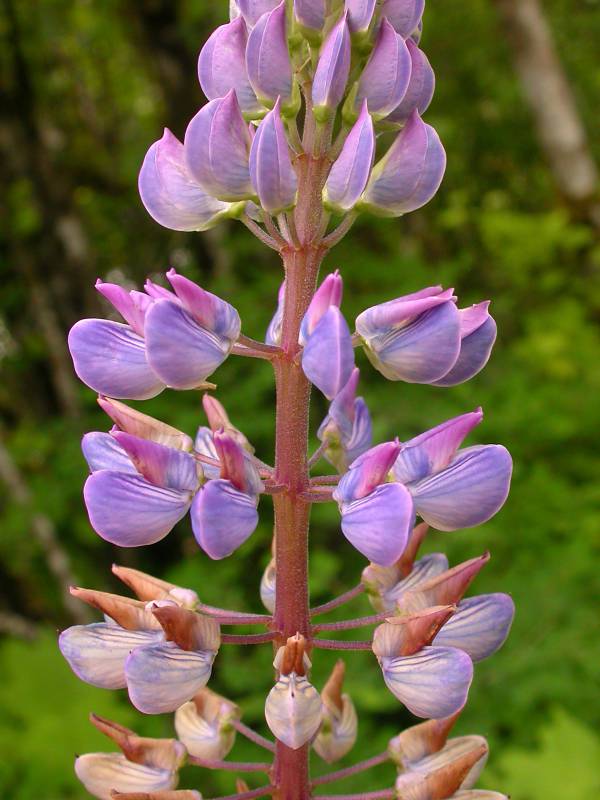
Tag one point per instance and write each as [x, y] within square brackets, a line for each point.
[346, 597]
[341, 644]
[292, 510]
[362, 766]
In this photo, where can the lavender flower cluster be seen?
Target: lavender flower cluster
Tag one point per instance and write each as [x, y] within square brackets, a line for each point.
[301, 97]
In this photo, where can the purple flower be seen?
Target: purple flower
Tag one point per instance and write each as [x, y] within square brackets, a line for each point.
[431, 681]
[360, 14]
[385, 79]
[271, 170]
[410, 172]
[189, 333]
[310, 13]
[252, 10]
[328, 355]
[169, 192]
[377, 516]
[273, 334]
[415, 338]
[350, 172]
[333, 68]
[170, 339]
[347, 428]
[420, 88]
[222, 66]
[454, 488]
[424, 338]
[267, 58]
[224, 511]
[404, 15]
[133, 507]
[217, 147]
[162, 665]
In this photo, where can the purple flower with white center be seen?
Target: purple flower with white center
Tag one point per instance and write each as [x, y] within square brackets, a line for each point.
[430, 681]
[271, 170]
[328, 355]
[415, 338]
[189, 333]
[267, 58]
[252, 10]
[222, 66]
[333, 69]
[386, 77]
[360, 14]
[454, 488]
[420, 89]
[350, 172]
[347, 428]
[405, 15]
[172, 197]
[409, 174]
[224, 511]
[377, 516]
[217, 148]
[310, 14]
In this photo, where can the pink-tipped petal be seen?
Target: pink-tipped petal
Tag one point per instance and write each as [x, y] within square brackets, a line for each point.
[159, 464]
[102, 451]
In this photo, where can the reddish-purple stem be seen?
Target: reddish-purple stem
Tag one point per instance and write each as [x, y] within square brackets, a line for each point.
[340, 644]
[230, 766]
[253, 736]
[346, 597]
[351, 624]
[339, 774]
[262, 791]
[250, 638]
[383, 794]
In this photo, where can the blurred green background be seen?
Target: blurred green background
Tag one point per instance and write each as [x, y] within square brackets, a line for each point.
[89, 86]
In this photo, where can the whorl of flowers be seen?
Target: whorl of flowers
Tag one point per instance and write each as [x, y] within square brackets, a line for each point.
[313, 116]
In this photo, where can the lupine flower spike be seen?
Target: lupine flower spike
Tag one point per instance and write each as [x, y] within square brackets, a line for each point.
[288, 143]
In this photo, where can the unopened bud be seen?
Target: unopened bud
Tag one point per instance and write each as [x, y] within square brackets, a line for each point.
[268, 59]
[267, 586]
[101, 773]
[339, 727]
[293, 707]
[331, 75]
[271, 171]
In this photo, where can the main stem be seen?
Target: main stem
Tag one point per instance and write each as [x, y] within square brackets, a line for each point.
[292, 512]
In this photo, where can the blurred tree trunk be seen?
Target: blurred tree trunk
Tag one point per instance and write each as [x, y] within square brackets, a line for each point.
[549, 95]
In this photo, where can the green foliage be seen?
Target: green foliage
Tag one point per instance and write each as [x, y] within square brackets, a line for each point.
[104, 78]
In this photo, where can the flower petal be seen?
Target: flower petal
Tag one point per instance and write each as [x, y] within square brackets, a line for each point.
[433, 450]
[350, 172]
[433, 683]
[328, 357]
[472, 488]
[222, 518]
[180, 350]
[161, 465]
[96, 653]
[111, 359]
[271, 171]
[103, 773]
[425, 568]
[128, 511]
[162, 677]
[102, 451]
[267, 57]
[169, 193]
[385, 78]
[378, 525]
[480, 626]
[404, 14]
[420, 88]
[475, 351]
[293, 710]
